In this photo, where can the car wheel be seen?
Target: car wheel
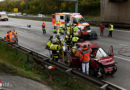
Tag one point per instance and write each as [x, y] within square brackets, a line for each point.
[114, 70]
[100, 72]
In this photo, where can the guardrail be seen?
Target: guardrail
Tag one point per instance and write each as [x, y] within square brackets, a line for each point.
[33, 17]
[104, 85]
[92, 22]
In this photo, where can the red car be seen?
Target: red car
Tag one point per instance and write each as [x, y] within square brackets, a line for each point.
[101, 62]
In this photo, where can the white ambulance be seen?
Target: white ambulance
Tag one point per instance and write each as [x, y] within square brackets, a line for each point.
[3, 16]
[69, 18]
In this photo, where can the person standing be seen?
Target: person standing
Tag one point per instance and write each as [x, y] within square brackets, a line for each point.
[102, 27]
[15, 35]
[111, 27]
[55, 48]
[85, 58]
[43, 28]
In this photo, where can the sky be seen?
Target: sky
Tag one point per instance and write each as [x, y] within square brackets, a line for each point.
[1, 0]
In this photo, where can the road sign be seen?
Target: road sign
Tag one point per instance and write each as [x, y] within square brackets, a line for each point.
[15, 9]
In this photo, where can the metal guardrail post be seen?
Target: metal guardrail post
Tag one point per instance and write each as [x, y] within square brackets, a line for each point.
[104, 87]
[16, 51]
[27, 58]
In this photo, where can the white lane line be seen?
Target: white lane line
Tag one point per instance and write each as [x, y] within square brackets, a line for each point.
[122, 31]
[123, 45]
[122, 58]
[119, 87]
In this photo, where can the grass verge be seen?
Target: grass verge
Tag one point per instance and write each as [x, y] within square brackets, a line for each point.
[19, 64]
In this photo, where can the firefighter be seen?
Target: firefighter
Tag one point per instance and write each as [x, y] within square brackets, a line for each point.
[85, 58]
[7, 37]
[75, 39]
[68, 29]
[49, 42]
[61, 30]
[110, 30]
[43, 28]
[75, 29]
[55, 29]
[12, 39]
[68, 39]
[15, 35]
[58, 39]
[55, 48]
[75, 49]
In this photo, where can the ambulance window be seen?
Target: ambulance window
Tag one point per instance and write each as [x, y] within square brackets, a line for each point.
[61, 17]
[74, 21]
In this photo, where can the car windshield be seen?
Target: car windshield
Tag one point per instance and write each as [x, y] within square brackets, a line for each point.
[101, 53]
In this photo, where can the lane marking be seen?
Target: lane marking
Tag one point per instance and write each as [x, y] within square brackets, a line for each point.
[122, 58]
[119, 87]
[122, 31]
[123, 45]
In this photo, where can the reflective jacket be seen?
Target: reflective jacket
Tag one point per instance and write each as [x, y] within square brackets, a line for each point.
[55, 47]
[49, 44]
[11, 37]
[75, 29]
[111, 28]
[68, 40]
[43, 24]
[74, 50]
[7, 37]
[78, 53]
[85, 55]
[15, 33]
[84, 32]
[75, 39]
[54, 30]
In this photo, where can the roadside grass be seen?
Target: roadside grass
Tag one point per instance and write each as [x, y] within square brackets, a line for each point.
[18, 64]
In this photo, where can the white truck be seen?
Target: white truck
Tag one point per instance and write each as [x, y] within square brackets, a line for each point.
[73, 18]
[3, 16]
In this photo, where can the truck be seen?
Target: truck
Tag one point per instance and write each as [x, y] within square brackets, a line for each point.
[73, 18]
[3, 16]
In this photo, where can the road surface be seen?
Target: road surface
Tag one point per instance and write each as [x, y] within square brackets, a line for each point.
[34, 39]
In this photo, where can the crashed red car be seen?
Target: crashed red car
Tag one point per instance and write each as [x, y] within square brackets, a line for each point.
[101, 63]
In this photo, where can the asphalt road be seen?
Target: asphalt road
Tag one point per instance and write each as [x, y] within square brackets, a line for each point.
[33, 38]
[11, 82]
